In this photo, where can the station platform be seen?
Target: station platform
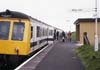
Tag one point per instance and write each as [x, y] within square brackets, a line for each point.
[59, 56]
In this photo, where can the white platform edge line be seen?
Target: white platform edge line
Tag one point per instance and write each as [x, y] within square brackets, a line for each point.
[79, 44]
[30, 59]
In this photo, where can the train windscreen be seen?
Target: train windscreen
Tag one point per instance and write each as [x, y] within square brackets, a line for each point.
[18, 31]
[4, 30]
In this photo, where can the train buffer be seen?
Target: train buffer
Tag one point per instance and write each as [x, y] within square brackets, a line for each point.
[59, 56]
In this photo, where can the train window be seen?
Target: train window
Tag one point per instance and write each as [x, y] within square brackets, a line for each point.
[38, 31]
[31, 31]
[43, 32]
[4, 30]
[46, 32]
[18, 31]
[51, 32]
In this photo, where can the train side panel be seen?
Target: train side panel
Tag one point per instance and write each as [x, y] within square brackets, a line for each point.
[38, 39]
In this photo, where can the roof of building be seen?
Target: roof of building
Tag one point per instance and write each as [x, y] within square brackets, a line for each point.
[85, 20]
[13, 14]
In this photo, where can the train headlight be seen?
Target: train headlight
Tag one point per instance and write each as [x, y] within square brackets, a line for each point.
[17, 50]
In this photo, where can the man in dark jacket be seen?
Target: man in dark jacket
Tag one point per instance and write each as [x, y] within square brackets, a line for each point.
[63, 36]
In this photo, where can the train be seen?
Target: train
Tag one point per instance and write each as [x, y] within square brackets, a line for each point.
[21, 35]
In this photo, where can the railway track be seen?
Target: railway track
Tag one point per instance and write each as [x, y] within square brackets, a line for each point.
[32, 57]
[6, 66]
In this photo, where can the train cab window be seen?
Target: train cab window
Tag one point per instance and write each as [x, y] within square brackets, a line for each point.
[18, 31]
[4, 30]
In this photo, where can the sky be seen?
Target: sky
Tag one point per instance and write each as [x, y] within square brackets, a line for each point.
[53, 12]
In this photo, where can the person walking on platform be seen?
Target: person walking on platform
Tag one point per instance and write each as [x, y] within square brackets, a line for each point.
[69, 36]
[54, 35]
[63, 36]
[57, 35]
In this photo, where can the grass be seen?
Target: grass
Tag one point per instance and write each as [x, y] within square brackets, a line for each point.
[73, 36]
[89, 58]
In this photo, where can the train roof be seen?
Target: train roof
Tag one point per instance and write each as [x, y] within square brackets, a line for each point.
[42, 22]
[13, 14]
[45, 23]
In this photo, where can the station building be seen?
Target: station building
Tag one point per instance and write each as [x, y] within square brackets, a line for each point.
[86, 26]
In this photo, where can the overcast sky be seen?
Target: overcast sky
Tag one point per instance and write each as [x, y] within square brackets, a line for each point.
[54, 12]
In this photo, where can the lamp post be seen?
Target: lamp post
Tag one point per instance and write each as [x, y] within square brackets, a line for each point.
[96, 28]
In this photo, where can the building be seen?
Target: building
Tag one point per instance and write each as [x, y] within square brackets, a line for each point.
[86, 26]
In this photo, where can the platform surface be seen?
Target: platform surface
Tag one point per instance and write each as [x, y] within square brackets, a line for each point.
[61, 57]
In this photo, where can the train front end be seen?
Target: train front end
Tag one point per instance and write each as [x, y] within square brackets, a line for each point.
[14, 33]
